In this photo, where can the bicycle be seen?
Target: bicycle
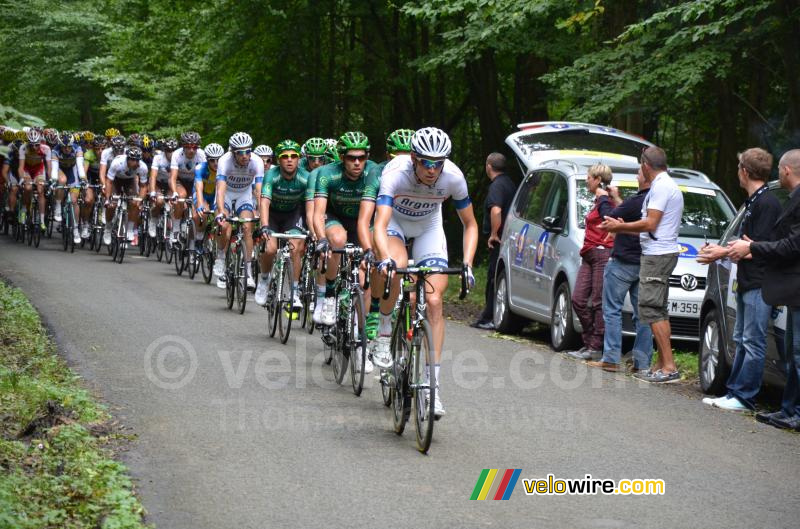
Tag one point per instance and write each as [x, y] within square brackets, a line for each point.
[49, 210]
[145, 242]
[68, 217]
[33, 226]
[185, 256]
[208, 248]
[280, 291]
[347, 337]
[308, 284]
[96, 218]
[235, 272]
[408, 380]
[119, 238]
[162, 244]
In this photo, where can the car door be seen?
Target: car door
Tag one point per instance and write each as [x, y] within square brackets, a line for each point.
[526, 238]
[553, 241]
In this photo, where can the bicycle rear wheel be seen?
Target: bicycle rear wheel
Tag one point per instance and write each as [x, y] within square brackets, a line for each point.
[207, 259]
[241, 279]
[339, 331]
[230, 277]
[357, 341]
[285, 301]
[424, 386]
[65, 235]
[400, 393]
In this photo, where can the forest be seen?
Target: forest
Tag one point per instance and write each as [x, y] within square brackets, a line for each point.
[705, 79]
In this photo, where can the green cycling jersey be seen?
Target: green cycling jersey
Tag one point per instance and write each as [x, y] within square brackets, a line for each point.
[345, 195]
[286, 194]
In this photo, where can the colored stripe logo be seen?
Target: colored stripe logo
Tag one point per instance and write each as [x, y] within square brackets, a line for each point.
[496, 484]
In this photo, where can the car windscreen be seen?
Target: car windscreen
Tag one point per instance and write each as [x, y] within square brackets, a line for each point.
[706, 212]
[578, 139]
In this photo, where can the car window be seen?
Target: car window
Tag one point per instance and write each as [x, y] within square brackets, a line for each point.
[532, 195]
[578, 139]
[732, 231]
[706, 212]
[558, 201]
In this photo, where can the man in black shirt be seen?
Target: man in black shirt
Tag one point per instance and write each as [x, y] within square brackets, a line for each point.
[762, 209]
[495, 209]
[621, 277]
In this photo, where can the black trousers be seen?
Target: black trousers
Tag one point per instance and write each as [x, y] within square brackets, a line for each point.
[488, 311]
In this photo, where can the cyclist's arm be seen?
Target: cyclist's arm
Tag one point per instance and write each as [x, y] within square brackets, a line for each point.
[467, 216]
[263, 209]
[198, 185]
[54, 168]
[365, 211]
[79, 163]
[320, 206]
[151, 184]
[173, 180]
[6, 167]
[310, 218]
[379, 235]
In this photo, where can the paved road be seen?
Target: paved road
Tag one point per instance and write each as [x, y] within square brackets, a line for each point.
[235, 430]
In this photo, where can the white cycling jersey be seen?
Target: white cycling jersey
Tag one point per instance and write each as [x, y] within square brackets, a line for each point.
[107, 156]
[239, 178]
[162, 163]
[412, 200]
[118, 170]
[184, 165]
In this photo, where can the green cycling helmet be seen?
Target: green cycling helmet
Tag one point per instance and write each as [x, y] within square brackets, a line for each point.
[399, 141]
[353, 140]
[287, 145]
[315, 147]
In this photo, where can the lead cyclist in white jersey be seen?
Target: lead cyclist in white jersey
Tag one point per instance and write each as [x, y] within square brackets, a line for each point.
[237, 171]
[409, 206]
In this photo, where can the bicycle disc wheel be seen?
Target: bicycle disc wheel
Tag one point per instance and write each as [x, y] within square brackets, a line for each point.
[230, 287]
[424, 387]
[357, 341]
[285, 301]
[241, 279]
[401, 396]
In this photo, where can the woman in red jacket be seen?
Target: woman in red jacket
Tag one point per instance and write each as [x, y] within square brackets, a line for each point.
[587, 299]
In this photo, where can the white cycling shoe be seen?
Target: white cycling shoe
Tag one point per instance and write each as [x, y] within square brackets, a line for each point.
[382, 352]
[261, 291]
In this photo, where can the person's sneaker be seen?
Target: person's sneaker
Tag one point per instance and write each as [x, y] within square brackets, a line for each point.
[483, 325]
[372, 324]
[85, 231]
[251, 283]
[659, 377]
[261, 291]
[106, 236]
[151, 228]
[219, 267]
[316, 316]
[768, 417]
[605, 366]
[382, 352]
[711, 400]
[438, 408]
[221, 282]
[730, 404]
[57, 212]
[328, 311]
[584, 353]
[76, 236]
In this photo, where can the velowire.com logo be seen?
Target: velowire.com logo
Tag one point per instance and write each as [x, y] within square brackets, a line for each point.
[496, 484]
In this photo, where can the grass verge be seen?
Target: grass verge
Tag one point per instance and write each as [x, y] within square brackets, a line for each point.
[56, 468]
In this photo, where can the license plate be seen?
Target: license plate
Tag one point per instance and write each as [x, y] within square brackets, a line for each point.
[684, 308]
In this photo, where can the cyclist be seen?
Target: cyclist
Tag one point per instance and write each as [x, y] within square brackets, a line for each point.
[91, 166]
[125, 174]
[397, 143]
[116, 148]
[181, 177]
[68, 169]
[148, 146]
[159, 180]
[205, 183]
[409, 206]
[341, 190]
[50, 138]
[284, 194]
[34, 157]
[237, 171]
[315, 154]
[265, 153]
[9, 172]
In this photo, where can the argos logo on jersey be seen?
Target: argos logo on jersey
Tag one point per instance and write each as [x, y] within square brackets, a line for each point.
[415, 207]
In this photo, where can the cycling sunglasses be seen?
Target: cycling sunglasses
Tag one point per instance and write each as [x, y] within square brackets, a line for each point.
[316, 158]
[286, 156]
[242, 152]
[431, 164]
[190, 146]
[353, 158]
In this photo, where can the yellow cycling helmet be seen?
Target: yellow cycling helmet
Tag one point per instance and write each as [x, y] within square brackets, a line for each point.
[9, 135]
[110, 133]
[21, 135]
[87, 136]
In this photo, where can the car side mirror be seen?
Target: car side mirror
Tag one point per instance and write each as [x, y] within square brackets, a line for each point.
[552, 224]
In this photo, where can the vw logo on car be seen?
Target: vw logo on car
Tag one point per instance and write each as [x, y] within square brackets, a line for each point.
[688, 282]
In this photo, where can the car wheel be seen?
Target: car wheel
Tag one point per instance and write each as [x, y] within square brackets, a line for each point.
[712, 361]
[504, 320]
[562, 332]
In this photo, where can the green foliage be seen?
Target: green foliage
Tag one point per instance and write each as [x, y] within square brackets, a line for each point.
[55, 472]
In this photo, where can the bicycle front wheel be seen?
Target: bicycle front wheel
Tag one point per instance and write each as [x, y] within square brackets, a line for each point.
[286, 301]
[400, 393]
[339, 335]
[241, 279]
[230, 277]
[357, 341]
[423, 387]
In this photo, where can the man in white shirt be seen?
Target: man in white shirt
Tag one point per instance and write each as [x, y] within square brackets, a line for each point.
[658, 232]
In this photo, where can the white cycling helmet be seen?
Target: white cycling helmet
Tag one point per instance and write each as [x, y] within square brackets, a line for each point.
[34, 136]
[263, 150]
[240, 140]
[213, 151]
[431, 142]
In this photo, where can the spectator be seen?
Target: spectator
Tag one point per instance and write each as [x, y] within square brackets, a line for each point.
[498, 202]
[762, 209]
[658, 234]
[622, 277]
[781, 285]
[595, 253]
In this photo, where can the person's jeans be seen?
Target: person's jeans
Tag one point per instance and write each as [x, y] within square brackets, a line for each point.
[621, 278]
[488, 310]
[791, 359]
[750, 337]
